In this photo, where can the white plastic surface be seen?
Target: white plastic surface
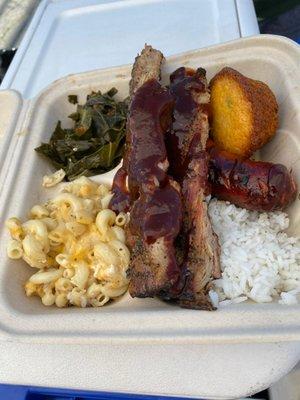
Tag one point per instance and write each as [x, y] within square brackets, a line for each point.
[210, 371]
[11, 103]
[247, 18]
[145, 345]
[80, 35]
[287, 388]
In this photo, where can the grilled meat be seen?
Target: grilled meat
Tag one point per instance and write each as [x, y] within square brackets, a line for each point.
[121, 196]
[146, 66]
[156, 213]
[149, 117]
[197, 245]
[190, 118]
[158, 267]
[254, 185]
[155, 222]
[201, 261]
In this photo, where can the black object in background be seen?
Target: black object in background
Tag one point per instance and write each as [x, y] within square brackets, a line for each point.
[264, 395]
[279, 17]
[6, 57]
[266, 9]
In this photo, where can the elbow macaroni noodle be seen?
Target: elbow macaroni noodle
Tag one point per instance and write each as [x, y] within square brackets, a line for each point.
[14, 249]
[53, 179]
[76, 243]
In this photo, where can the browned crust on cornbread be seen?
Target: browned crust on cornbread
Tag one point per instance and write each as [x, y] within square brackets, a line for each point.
[263, 105]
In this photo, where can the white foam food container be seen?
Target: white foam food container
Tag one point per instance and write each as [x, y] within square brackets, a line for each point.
[273, 60]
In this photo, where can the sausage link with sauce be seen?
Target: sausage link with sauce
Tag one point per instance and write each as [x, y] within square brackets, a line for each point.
[255, 185]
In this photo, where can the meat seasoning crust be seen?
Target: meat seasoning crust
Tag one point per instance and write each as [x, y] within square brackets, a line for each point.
[146, 66]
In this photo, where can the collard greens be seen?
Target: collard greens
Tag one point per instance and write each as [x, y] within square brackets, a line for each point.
[96, 142]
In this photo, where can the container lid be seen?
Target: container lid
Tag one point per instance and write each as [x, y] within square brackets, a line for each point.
[80, 35]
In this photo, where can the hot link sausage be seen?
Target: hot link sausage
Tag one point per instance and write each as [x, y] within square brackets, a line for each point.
[254, 185]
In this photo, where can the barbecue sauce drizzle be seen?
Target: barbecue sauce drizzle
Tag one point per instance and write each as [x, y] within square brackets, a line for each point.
[181, 148]
[182, 82]
[156, 205]
[156, 214]
[120, 201]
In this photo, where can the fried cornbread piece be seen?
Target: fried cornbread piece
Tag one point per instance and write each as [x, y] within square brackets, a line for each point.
[244, 112]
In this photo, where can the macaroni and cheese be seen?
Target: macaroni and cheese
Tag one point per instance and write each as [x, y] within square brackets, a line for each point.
[76, 243]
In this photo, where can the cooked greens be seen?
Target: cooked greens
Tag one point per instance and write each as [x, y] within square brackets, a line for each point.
[96, 142]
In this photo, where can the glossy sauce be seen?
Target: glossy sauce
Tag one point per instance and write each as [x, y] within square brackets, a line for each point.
[121, 200]
[157, 214]
[181, 142]
[149, 118]
[156, 210]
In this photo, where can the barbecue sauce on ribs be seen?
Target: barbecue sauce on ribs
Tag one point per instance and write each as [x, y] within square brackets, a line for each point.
[197, 245]
[149, 118]
[169, 232]
[156, 213]
[185, 85]
[121, 199]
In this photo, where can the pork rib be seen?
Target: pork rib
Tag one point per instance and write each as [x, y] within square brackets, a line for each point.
[190, 126]
[155, 223]
[197, 244]
[156, 211]
[201, 262]
[158, 267]
[156, 214]
[146, 66]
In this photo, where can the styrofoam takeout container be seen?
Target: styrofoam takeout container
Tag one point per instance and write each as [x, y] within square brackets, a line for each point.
[273, 60]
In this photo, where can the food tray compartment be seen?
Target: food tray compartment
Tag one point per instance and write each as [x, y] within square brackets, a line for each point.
[270, 59]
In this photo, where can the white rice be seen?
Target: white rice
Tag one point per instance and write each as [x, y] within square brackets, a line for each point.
[258, 260]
